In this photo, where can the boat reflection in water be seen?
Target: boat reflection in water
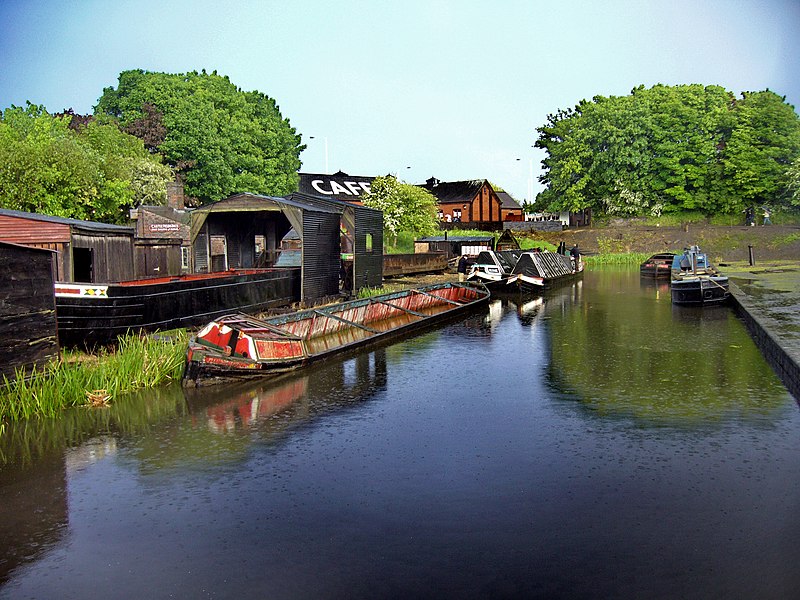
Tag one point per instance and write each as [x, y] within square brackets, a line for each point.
[272, 405]
[679, 366]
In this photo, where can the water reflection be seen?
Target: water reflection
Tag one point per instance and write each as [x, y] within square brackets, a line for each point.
[271, 405]
[537, 448]
[638, 356]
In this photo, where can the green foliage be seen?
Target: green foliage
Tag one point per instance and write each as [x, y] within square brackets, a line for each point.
[369, 292]
[137, 363]
[616, 258]
[793, 182]
[50, 166]
[405, 207]
[670, 149]
[222, 139]
[528, 243]
[403, 243]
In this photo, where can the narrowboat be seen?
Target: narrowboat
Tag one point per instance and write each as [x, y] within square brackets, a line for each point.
[96, 314]
[537, 270]
[695, 282]
[237, 345]
[493, 268]
[658, 266]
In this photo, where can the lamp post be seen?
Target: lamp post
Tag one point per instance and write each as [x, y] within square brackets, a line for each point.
[327, 171]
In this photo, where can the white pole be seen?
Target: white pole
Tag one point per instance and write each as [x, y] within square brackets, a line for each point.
[530, 182]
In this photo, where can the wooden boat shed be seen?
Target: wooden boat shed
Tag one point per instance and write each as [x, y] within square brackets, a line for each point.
[87, 252]
[245, 230]
[27, 308]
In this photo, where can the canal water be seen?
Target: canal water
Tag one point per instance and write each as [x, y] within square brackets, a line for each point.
[594, 443]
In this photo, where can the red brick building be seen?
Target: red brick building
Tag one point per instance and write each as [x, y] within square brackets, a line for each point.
[473, 201]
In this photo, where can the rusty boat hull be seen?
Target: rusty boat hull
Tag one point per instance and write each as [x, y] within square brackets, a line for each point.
[236, 345]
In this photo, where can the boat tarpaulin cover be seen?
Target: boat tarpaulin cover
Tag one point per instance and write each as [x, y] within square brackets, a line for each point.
[543, 264]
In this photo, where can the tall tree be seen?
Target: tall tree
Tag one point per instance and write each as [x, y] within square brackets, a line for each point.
[667, 148]
[760, 149]
[793, 183]
[221, 138]
[405, 207]
[48, 164]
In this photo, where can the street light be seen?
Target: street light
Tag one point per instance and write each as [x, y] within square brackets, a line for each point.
[530, 179]
[327, 171]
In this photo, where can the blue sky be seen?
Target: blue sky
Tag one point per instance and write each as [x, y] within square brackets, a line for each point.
[444, 88]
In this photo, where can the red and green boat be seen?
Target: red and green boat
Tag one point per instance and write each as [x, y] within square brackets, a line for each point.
[239, 345]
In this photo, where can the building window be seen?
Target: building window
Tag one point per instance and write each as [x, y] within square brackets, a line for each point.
[369, 242]
[457, 215]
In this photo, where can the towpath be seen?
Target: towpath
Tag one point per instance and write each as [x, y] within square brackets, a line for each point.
[768, 299]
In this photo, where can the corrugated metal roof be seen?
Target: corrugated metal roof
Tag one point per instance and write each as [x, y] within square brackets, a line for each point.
[246, 201]
[339, 205]
[88, 225]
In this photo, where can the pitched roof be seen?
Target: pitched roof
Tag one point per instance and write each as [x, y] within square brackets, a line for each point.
[86, 225]
[453, 191]
[507, 201]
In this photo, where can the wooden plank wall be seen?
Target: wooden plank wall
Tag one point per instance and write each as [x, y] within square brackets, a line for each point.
[27, 309]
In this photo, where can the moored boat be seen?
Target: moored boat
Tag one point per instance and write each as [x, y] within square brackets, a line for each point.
[493, 268]
[658, 266]
[537, 270]
[241, 346]
[92, 314]
[695, 282]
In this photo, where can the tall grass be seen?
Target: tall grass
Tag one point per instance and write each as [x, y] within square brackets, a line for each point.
[616, 258]
[369, 292]
[137, 362]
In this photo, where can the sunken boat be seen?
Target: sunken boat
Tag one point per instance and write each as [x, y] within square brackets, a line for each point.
[493, 268]
[235, 346]
[535, 271]
[696, 282]
[96, 314]
[658, 266]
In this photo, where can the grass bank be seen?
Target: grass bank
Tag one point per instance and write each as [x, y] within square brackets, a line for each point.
[79, 378]
[616, 258]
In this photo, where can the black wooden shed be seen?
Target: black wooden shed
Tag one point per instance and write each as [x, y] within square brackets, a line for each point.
[27, 308]
[245, 230]
[361, 230]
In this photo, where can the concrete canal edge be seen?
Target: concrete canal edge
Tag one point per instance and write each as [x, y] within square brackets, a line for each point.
[784, 361]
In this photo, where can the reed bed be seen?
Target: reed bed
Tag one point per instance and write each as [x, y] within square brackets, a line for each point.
[621, 258]
[78, 378]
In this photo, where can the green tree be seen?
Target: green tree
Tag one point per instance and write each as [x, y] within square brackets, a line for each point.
[669, 148]
[220, 138]
[83, 171]
[759, 152]
[793, 183]
[405, 207]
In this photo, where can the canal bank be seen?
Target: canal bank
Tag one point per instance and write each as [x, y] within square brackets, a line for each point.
[766, 297]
